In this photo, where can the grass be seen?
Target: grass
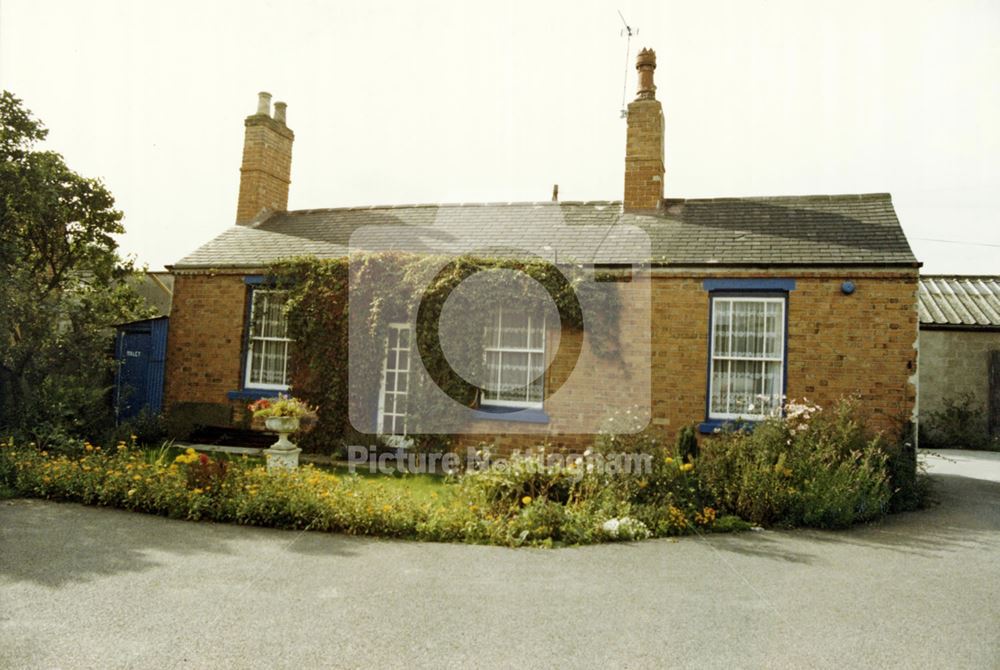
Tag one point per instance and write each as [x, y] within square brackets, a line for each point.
[423, 487]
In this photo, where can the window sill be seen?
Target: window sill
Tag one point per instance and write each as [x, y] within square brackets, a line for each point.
[713, 426]
[253, 394]
[510, 414]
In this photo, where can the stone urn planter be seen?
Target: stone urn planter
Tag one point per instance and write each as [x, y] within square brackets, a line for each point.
[283, 454]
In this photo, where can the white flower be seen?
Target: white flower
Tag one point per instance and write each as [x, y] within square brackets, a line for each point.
[626, 528]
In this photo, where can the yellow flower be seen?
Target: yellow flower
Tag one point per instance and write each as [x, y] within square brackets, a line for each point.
[687, 467]
[136, 478]
[131, 492]
[526, 500]
[669, 460]
[196, 491]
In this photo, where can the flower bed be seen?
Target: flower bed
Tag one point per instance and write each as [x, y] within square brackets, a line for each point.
[808, 469]
[197, 487]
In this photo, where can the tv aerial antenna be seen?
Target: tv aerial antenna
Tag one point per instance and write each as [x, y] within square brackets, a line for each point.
[627, 32]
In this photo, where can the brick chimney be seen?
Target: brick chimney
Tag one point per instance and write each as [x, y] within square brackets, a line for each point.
[644, 142]
[267, 161]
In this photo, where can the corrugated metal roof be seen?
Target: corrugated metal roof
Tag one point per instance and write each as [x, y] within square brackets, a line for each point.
[959, 301]
[789, 230]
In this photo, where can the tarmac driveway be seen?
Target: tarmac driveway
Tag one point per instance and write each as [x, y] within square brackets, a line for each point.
[88, 587]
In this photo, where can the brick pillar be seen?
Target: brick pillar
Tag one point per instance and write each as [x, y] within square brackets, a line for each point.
[644, 141]
[267, 161]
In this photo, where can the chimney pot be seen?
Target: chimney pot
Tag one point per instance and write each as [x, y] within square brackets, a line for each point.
[264, 103]
[279, 112]
[555, 193]
[644, 142]
[645, 64]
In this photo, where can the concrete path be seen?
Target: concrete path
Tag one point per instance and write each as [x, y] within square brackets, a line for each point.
[88, 587]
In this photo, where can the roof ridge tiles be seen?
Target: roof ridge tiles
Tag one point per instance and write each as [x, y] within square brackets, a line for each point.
[526, 203]
[818, 197]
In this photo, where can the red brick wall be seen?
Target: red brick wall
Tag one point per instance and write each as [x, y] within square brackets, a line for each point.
[837, 344]
[205, 341]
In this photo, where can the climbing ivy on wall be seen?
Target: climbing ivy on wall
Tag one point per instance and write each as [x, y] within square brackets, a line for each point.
[383, 288]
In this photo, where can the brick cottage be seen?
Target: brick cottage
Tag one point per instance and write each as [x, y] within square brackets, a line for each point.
[750, 300]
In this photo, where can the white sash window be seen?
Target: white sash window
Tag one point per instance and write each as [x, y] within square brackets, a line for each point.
[267, 342]
[746, 380]
[515, 360]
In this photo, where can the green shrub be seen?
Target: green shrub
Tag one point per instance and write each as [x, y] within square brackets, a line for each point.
[960, 424]
[538, 522]
[145, 428]
[687, 444]
[650, 473]
[730, 524]
[535, 476]
[908, 480]
[811, 468]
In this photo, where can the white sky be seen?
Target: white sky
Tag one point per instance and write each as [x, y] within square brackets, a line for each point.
[458, 102]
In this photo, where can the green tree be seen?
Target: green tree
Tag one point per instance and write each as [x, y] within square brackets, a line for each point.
[62, 286]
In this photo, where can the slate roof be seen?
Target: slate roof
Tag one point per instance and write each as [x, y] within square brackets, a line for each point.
[790, 230]
[959, 301]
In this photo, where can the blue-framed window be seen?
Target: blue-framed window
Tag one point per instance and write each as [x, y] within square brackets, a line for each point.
[748, 345]
[747, 357]
[267, 341]
[515, 361]
[264, 370]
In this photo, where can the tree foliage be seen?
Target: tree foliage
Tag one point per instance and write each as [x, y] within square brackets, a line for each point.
[63, 286]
